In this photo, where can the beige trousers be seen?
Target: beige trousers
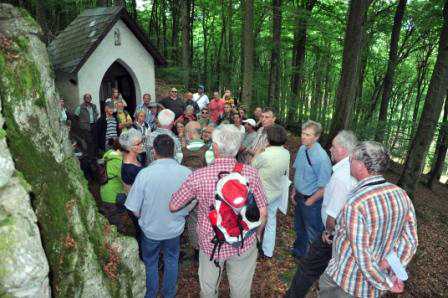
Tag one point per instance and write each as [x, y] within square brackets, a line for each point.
[240, 272]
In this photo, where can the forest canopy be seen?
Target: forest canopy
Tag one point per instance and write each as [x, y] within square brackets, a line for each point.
[378, 67]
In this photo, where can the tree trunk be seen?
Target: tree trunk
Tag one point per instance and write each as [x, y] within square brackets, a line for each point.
[248, 50]
[274, 73]
[348, 83]
[230, 51]
[422, 70]
[441, 149]
[164, 49]
[153, 29]
[119, 2]
[186, 50]
[175, 31]
[134, 9]
[299, 47]
[222, 66]
[205, 44]
[392, 64]
[41, 17]
[103, 3]
[431, 111]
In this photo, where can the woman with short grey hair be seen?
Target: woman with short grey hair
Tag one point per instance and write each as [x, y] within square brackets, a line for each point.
[131, 142]
[228, 139]
[373, 155]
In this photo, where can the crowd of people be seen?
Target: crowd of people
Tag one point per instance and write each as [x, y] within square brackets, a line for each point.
[164, 163]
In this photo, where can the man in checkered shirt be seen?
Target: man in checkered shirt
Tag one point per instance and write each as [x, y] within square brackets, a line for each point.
[240, 261]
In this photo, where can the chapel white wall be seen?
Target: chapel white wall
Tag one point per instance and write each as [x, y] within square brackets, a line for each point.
[132, 55]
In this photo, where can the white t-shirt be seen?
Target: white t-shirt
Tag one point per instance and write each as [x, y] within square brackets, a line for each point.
[242, 129]
[202, 101]
[337, 190]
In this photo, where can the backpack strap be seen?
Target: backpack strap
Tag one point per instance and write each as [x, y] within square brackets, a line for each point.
[309, 161]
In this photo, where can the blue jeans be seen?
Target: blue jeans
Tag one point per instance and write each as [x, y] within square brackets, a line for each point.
[307, 223]
[150, 253]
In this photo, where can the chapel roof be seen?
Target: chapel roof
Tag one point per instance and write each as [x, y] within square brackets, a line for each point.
[74, 45]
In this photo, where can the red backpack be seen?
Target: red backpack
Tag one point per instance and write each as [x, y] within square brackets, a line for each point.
[234, 215]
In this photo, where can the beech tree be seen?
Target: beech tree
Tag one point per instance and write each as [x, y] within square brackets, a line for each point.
[348, 83]
[431, 111]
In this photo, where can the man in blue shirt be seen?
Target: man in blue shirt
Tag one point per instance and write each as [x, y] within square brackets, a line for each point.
[312, 173]
[149, 200]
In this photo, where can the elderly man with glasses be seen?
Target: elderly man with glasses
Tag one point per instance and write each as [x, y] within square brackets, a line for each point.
[377, 224]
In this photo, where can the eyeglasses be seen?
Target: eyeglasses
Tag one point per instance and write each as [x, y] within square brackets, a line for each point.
[204, 112]
[174, 91]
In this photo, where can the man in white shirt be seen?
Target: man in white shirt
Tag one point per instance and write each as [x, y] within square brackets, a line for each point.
[311, 267]
[201, 98]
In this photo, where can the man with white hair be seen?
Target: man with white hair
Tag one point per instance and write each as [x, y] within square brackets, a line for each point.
[165, 120]
[240, 261]
[375, 226]
[311, 267]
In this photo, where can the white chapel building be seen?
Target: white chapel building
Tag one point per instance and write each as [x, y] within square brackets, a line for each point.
[101, 49]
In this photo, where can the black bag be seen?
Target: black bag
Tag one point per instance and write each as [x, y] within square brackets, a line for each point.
[101, 171]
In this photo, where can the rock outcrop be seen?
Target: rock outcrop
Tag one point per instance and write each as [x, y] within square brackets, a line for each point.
[24, 266]
[87, 257]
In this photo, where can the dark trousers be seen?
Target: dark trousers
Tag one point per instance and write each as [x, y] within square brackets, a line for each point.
[310, 268]
[89, 142]
[307, 224]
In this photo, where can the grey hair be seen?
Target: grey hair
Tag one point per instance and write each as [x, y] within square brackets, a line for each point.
[346, 139]
[128, 138]
[228, 138]
[189, 107]
[373, 155]
[316, 126]
[165, 117]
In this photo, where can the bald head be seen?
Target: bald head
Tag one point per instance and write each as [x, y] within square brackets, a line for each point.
[193, 130]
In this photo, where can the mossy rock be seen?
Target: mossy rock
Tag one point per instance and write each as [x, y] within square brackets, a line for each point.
[79, 243]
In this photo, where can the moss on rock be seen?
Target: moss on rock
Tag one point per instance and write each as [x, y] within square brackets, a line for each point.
[78, 250]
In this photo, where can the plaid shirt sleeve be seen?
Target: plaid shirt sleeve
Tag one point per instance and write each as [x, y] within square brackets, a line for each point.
[358, 235]
[185, 193]
[408, 241]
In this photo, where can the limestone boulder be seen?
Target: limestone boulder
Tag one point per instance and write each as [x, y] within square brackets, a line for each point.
[86, 256]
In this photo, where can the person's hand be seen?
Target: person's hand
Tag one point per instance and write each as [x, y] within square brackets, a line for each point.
[309, 202]
[384, 265]
[326, 237]
[398, 286]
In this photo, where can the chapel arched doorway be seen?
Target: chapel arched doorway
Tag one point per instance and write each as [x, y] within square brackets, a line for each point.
[118, 77]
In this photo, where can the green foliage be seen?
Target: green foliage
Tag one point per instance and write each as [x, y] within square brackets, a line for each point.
[217, 28]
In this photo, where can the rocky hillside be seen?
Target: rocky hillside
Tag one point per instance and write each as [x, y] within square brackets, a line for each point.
[86, 256]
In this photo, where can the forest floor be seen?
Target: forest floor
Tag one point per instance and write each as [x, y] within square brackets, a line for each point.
[428, 270]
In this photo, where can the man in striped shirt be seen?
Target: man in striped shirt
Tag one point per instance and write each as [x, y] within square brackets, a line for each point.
[378, 219]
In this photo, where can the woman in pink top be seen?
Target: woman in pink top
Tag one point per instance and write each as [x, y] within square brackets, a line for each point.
[216, 107]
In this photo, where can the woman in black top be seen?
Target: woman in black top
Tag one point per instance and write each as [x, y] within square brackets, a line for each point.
[131, 142]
